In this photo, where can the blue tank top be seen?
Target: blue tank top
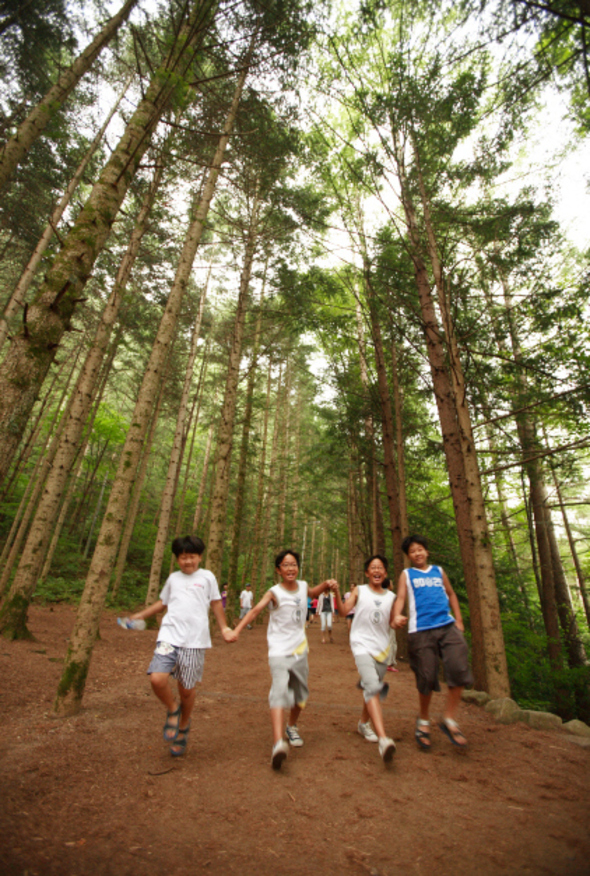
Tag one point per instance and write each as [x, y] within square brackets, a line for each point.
[428, 600]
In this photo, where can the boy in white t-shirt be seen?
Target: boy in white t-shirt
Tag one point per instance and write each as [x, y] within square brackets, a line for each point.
[370, 645]
[287, 649]
[183, 636]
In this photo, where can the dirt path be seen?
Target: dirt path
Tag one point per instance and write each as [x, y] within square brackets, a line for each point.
[99, 793]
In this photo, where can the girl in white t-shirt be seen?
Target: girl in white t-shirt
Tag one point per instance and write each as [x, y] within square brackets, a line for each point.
[287, 649]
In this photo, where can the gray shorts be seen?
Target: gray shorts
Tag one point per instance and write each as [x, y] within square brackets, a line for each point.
[372, 674]
[184, 664]
[427, 647]
[289, 681]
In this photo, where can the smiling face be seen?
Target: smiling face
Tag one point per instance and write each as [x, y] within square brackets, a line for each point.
[418, 555]
[376, 573]
[288, 570]
[188, 563]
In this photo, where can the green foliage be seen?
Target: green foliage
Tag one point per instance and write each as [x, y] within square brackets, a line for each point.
[534, 684]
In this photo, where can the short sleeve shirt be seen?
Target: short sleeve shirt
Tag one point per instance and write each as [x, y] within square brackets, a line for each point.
[188, 597]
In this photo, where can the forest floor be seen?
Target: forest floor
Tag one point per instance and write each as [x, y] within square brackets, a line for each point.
[100, 794]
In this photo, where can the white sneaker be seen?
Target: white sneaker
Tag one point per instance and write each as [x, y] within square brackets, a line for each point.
[293, 736]
[367, 731]
[279, 753]
[386, 748]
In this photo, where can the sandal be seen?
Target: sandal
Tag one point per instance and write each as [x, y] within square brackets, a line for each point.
[451, 729]
[180, 741]
[421, 736]
[169, 726]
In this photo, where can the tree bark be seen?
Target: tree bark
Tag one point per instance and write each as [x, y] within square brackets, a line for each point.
[22, 287]
[244, 448]
[496, 668]
[226, 426]
[73, 680]
[33, 126]
[47, 511]
[33, 350]
[175, 460]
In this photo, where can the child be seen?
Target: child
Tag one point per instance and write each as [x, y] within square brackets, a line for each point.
[287, 649]
[433, 632]
[183, 636]
[369, 642]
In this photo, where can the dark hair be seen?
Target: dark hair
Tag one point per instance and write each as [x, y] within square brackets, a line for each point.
[280, 557]
[188, 544]
[383, 559]
[413, 539]
[386, 583]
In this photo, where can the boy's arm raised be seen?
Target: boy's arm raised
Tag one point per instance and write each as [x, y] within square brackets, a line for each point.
[398, 617]
[217, 608]
[319, 588]
[254, 612]
[345, 608]
[150, 611]
[453, 602]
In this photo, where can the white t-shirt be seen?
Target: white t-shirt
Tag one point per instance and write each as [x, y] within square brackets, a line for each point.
[286, 625]
[187, 597]
[369, 633]
[246, 597]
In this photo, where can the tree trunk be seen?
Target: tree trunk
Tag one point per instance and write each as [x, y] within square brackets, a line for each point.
[572, 545]
[138, 482]
[33, 350]
[285, 417]
[17, 147]
[73, 680]
[175, 460]
[257, 534]
[47, 511]
[228, 411]
[18, 296]
[78, 462]
[497, 683]
[269, 493]
[244, 448]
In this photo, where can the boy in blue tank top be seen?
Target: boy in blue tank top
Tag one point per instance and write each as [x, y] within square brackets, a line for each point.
[435, 630]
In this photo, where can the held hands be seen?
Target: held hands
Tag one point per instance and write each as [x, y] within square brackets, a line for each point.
[229, 635]
[398, 622]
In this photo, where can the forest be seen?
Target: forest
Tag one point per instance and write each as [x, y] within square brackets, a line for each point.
[293, 274]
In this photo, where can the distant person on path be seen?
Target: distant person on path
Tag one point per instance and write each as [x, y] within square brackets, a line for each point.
[369, 643]
[433, 633]
[246, 600]
[287, 649]
[326, 607]
[184, 636]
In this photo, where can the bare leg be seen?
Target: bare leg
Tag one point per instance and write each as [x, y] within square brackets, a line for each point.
[424, 700]
[276, 717]
[452, 703]
[451, 706]
[187, 701]
[161, 688]
[294, 715]
[373, 709]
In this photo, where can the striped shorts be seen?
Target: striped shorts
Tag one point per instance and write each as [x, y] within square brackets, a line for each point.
[184, 664]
